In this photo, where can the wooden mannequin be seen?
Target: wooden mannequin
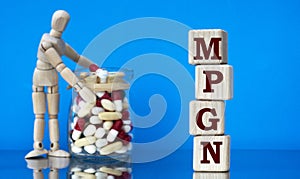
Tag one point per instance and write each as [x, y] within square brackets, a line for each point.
[49, 62]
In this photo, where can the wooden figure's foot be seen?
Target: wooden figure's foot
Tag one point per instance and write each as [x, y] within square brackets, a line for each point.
[36, 153]
[59, 153]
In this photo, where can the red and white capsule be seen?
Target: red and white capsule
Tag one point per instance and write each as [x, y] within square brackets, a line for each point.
[78, 128]
[114, 131]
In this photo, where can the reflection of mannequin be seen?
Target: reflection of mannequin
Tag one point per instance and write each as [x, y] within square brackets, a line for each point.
[49, 62]
[54, 163]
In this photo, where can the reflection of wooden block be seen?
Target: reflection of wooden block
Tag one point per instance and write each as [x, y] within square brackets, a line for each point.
[207, 46]
[207, 117]
[211, 153]
[208, 175]
[214, 82]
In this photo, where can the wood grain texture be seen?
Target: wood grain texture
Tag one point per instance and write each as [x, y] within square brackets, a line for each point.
[211, 175]
[207, 46]
[207, 117]
[211, 153]
[214, 82]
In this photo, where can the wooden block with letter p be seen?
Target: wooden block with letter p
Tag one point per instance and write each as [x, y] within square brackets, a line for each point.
[207, 117]
[211, 153]
[214, 82]
[207, 46]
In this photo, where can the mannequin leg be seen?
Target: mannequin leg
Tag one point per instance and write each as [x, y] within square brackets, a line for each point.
[53, 106]
[39, 108]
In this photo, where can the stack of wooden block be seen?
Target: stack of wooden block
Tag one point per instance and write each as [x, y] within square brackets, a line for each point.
[213, 84]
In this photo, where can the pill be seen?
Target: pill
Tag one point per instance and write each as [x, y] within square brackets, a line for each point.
[76, 149]
[93, 67]
[125, 115]
[110, 171]
[126, 128]
[100, 94]
[119, 105]
[108, 105]
[125, 103]
[75, 169]
[122, 169]
[118, 95]
[96, 110]
[95, 120]
[89, 130]
[110, 115]
[112, 134]
[91, 149]
[107, 125]
[101, 143]
[114, 131]
[78, 129]
[85, 141]
[101, 175]
[126, 122]
[111, 148]
[85, 175]
[90, 170]
[126, 175]
[102, 74]
[100, 132]
[110, 177]
[122, 150]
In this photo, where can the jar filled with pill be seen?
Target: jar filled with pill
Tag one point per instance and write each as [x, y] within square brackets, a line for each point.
[102, 128]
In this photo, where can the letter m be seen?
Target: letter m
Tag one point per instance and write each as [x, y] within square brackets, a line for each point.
[203, 50]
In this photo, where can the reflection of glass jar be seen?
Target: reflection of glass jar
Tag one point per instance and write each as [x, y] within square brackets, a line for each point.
[101, 129]
[80, 168]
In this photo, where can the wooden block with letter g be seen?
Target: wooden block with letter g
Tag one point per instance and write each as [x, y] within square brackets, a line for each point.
[207, 117]
[207, 46]
[214, 82]
[211, 153]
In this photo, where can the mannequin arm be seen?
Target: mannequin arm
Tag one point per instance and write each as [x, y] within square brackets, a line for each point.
[79, 59]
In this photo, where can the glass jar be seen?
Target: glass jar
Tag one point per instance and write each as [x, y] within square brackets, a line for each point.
[103, 128]
[80, 168]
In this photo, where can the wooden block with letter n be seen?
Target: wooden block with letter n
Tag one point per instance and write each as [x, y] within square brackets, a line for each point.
[211, 153]
[214, 82]
[207, 47]
[207, 117]
[210, 175]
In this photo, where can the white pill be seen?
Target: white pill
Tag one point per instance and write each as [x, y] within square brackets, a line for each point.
[126, 122]
[122, 169]
[122, 150]
[89, 130]
[112, 134]
[91, 149]
[101, 143]
[100, 132]
[111, 148]
[75, 169]
[126, 128]
[107, 125]
[108, 105]
[110, 171]
[75, 108]
[96, 110]
[76, 134]
[101, 175]
[75, 177]
[95, 120]
[119, 105]
[90, 170]
[85, 175]
[85, 141]
[76, 149]
[110, 177]
[100, 94]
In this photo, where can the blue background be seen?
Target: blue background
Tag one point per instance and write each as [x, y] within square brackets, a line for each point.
[263, 48]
